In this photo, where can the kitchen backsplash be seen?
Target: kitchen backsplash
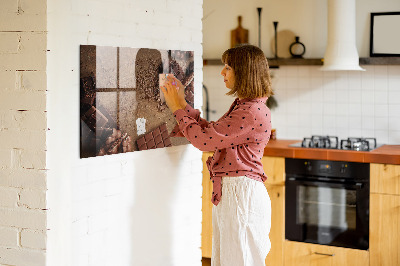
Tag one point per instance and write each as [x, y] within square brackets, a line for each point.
[314, 102]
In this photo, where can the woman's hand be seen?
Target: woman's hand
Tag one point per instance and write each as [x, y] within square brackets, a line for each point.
[174, 94]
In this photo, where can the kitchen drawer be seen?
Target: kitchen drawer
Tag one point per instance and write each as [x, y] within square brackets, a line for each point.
[305, 254]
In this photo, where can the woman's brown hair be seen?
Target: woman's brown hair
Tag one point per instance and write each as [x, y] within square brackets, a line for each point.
[250, 66]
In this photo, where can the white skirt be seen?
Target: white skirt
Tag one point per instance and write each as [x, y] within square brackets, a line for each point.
[241, 223]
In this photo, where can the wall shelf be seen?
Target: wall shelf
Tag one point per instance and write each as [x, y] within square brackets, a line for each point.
[274, 63]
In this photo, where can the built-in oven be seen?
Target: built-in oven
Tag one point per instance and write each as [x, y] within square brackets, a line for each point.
[327, 202]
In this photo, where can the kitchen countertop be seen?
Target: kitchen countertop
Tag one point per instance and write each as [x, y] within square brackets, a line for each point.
[389, 154]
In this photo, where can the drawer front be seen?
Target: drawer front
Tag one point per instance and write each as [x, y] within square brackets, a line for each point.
[297, 253]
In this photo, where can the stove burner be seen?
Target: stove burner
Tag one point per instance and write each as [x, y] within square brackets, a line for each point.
[332, 142]
[358, 144]
[328, 142]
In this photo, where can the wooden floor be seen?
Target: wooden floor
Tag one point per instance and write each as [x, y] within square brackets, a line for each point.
[206, 261]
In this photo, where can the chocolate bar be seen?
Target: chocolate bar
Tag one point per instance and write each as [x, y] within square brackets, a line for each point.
[158, 138]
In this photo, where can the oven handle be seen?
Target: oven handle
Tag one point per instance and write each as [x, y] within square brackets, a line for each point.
[357, 185]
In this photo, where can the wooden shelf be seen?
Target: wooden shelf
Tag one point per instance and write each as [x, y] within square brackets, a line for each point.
[273, 63]
[380, 61]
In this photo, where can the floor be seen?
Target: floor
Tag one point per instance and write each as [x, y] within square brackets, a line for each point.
[206, 261]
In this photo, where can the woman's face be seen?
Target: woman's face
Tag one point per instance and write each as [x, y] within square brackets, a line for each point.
[229, 76]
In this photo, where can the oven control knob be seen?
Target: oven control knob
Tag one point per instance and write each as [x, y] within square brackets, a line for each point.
[308, 166]
[343, 168]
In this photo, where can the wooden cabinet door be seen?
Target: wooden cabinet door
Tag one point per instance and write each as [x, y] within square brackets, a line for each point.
[385, 178]
[277, 233]
[274, 168]
[206, 226]
[304, 254]
[384, 236]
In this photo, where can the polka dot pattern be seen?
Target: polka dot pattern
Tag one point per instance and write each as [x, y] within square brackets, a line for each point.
[238, 139]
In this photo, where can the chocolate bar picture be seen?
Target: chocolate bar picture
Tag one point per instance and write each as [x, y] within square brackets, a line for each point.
[158, 138]
[122, 108]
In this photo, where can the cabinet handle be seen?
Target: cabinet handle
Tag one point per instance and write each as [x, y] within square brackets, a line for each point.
[324, 254]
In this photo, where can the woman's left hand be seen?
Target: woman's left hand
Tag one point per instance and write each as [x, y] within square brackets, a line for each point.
[170, 90]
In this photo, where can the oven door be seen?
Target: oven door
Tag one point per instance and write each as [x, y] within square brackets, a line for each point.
[327, 213]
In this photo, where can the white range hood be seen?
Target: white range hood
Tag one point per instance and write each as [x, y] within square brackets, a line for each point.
[341, 51]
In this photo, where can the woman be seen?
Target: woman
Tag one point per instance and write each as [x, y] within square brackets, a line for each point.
[242, 208]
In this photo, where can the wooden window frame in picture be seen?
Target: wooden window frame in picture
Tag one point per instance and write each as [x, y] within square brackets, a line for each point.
[380, 16]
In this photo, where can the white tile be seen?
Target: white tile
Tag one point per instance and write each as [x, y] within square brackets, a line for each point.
[329, 122]
[342, 122]
[355, 109]
[381, 97]
[291, 71]
[381, 123]
[367, 133]
[355, 96]
[367, 96]
[292, 83]
[329, 94]
[394, 97]
[394, 123]
[394, 83]
[394, 70]
[342, 81]
[355, 122]
[381, 110]
[317, 107]
[355, 132]
[342, 96]
[303, 82]
[329, 109]
[394, 110]
[381, 71]
[316, 72]
[367, 83]
[317, 121]
[317, 95]
[354, 80]
[304, 72]
[394, 137]
[382, 136]
[367, 110]
[367, 123]
[381, 84]
[316, 82]
[342, 109]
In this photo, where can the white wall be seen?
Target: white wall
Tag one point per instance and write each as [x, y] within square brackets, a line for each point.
[23, 133]
[306, 19]
[311, 102]
[140, 208]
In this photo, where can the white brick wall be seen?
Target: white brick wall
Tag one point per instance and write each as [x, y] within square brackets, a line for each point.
[23, 132]
[140, 208]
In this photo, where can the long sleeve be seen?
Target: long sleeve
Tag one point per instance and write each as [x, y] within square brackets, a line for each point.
[231, 130]
[193, 113]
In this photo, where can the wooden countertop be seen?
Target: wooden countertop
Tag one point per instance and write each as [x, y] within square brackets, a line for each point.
[389, 154]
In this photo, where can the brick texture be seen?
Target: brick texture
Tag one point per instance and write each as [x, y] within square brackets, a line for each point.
[23, 125]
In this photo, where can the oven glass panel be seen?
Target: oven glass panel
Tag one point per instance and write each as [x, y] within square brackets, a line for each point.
[326, 207]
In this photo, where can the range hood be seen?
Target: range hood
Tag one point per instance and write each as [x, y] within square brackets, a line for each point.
[341, 51]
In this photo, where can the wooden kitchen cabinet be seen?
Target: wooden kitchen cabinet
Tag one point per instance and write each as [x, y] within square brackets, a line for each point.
[305, 254]
[385, 215]
[274, 168]
[385, 178]
[206, 225]
[277, 233]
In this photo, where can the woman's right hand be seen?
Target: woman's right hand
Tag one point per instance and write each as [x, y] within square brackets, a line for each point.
[181, 91]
